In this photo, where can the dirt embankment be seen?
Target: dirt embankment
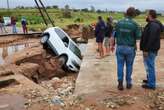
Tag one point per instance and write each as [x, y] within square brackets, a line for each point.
[47, 65]
[34, 54]
[35, 74]
[80, 33]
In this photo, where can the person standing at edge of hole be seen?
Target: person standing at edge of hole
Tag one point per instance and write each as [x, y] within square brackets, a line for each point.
[24, 25]
[150, 45]
[100, 34]
[108, 34]
[127, 32]
[13, 24]
[2, 25]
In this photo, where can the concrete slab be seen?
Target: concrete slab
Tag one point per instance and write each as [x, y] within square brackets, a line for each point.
[97, 75]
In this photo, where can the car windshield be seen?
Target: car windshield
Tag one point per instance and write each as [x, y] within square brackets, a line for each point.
[75, 49]
[63, 36]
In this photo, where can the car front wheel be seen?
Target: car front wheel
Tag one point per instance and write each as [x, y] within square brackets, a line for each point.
[44, 39]
[62, 62]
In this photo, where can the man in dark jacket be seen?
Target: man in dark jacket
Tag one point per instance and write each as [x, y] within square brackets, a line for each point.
[150, 44]
[100, 34]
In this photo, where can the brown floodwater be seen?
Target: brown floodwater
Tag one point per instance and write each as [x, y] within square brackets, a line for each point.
[9, 50]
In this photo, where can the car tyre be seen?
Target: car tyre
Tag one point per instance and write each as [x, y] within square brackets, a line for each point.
[44, 39]
[62, 62]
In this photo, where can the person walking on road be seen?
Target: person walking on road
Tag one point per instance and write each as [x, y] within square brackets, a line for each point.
[100, 33]
[13, 24]
[24, 25]
[150, 45]
[127, 32]
[108, 34]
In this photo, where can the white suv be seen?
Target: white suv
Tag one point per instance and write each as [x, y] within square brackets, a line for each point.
[64, 47]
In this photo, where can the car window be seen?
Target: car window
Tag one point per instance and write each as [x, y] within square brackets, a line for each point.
[63, 36]
[75, 50]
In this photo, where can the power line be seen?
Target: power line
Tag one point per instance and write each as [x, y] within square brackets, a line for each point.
[8, 7]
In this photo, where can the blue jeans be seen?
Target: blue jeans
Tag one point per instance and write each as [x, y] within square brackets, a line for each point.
[14, 28]
[149, 63]
[125, 55]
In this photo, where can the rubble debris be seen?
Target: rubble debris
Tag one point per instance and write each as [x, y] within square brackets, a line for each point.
[157, 100]
[115, 102]
[77, 100]
[57, 100]
[35, 96]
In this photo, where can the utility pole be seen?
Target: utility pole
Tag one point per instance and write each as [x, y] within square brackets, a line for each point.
[46, 13]
[8, 7]
[43, 12]
[40, 10]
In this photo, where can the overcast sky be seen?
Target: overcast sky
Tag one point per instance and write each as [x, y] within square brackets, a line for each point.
[119, 5]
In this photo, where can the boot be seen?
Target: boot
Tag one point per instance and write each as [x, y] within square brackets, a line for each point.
[145, 81]
[120, 85]
[129, 86]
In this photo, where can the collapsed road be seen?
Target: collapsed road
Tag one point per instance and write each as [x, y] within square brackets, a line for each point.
[34, 78]
[33, 74]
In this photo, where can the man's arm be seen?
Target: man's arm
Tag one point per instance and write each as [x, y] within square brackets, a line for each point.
[96, 29]
[138, 32]
[152, 36]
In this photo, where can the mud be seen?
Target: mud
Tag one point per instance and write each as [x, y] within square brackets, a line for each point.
[84, 32]
[11, 102]
[33, 77]
[8, 83]
[28, 70]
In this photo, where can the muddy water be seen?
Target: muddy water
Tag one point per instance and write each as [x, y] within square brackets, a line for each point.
[9, 50]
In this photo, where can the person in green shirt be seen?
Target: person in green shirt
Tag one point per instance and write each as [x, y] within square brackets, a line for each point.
[127, 32]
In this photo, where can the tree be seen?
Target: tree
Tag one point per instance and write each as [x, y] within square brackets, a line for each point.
[138, 12]
[20, 7]
[66, 7]
[48, 7]
[76, 10]
[99, 11]
[67, 12]
[85, 10]
[55, 6]
[92, 9]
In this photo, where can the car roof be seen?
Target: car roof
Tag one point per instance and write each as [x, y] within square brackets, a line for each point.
[56, 27]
